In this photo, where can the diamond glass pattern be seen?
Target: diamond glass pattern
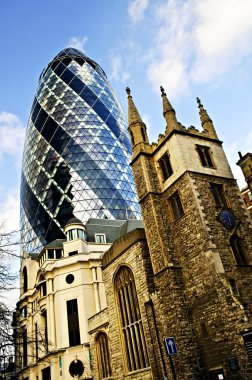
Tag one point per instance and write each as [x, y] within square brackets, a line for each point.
[76, 154]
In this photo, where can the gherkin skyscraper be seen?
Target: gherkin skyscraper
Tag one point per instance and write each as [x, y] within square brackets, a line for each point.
[76, 154]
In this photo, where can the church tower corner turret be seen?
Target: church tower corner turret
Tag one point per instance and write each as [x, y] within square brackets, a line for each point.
[137, 128]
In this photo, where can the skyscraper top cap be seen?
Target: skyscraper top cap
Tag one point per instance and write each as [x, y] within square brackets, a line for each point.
[68, 54]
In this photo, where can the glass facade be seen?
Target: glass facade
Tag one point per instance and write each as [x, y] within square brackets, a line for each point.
[77, 152]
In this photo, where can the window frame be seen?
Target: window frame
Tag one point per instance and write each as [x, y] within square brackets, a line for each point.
[165, 166]
[73, 323]
[100, 235]
[103, 355]
[218, 194]
[176, 206]
[238, 250]
[132, 335]
[205, 156]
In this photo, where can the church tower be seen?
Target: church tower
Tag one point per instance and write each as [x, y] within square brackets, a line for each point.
[199, 237]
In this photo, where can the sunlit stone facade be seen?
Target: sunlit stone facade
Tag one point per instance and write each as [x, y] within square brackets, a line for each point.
[76, 154]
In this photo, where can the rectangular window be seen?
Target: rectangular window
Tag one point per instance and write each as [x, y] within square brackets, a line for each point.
[100, 238]
[218, 194]
[80, 234]
[71, 235]
[50, 254]
[24, 339]
[36, 340]
[46, 373]
[73, 253]
[233, 287]
[176, 206]
[165, 166]
[73, 322]
[45, 330]
[58, 253]
[205, 156]
[23, 311]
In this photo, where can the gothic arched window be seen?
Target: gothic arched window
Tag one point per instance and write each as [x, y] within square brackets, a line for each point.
[103, 357]
[238, 250]
[130, 320]
[25, 280]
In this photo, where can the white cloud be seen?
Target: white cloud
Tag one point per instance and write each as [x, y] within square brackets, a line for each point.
[198, 42]
[9, 209]
[12, 136]
[137, 9]
[118, 72]
[77, 43]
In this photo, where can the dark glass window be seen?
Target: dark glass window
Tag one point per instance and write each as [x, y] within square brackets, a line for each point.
[24, 341]
[77, 85]
[58, 253]
[130, 320]
[25, 280]
[165, 165]
[46, 373]
[73, 322]
[205, 156]
[238, 250]
[36, 340]
[50, 254]
[45, 330]
[59, 69]
[176, 205]
[43, 289]
[49, 129]
[103, 357]
[73, 253]
[42, 116]
[67, 76]
[218, 194]
[70, 234]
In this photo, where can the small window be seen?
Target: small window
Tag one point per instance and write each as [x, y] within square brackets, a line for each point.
[80, 234]
[23, 311]
[73, 253]
[238, 250]
[143, 134]
[58, 253]
[218, 194]
[165, 165]
[205, 156]
[233, 286]
[24, 341]
[71, 235]
[100, 238]
[103, 356]
[25, 280]
[73, 322]
[176, 206]
[50, 254]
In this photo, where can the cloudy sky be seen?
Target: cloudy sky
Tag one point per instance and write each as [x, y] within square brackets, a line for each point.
[192, 48]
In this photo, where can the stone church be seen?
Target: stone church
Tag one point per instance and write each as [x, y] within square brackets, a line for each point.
[169, 298]
[187, 275]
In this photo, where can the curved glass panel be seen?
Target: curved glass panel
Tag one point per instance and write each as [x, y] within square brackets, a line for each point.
[77, 152]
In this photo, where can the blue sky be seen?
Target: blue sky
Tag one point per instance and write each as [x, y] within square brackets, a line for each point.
[192, 48]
